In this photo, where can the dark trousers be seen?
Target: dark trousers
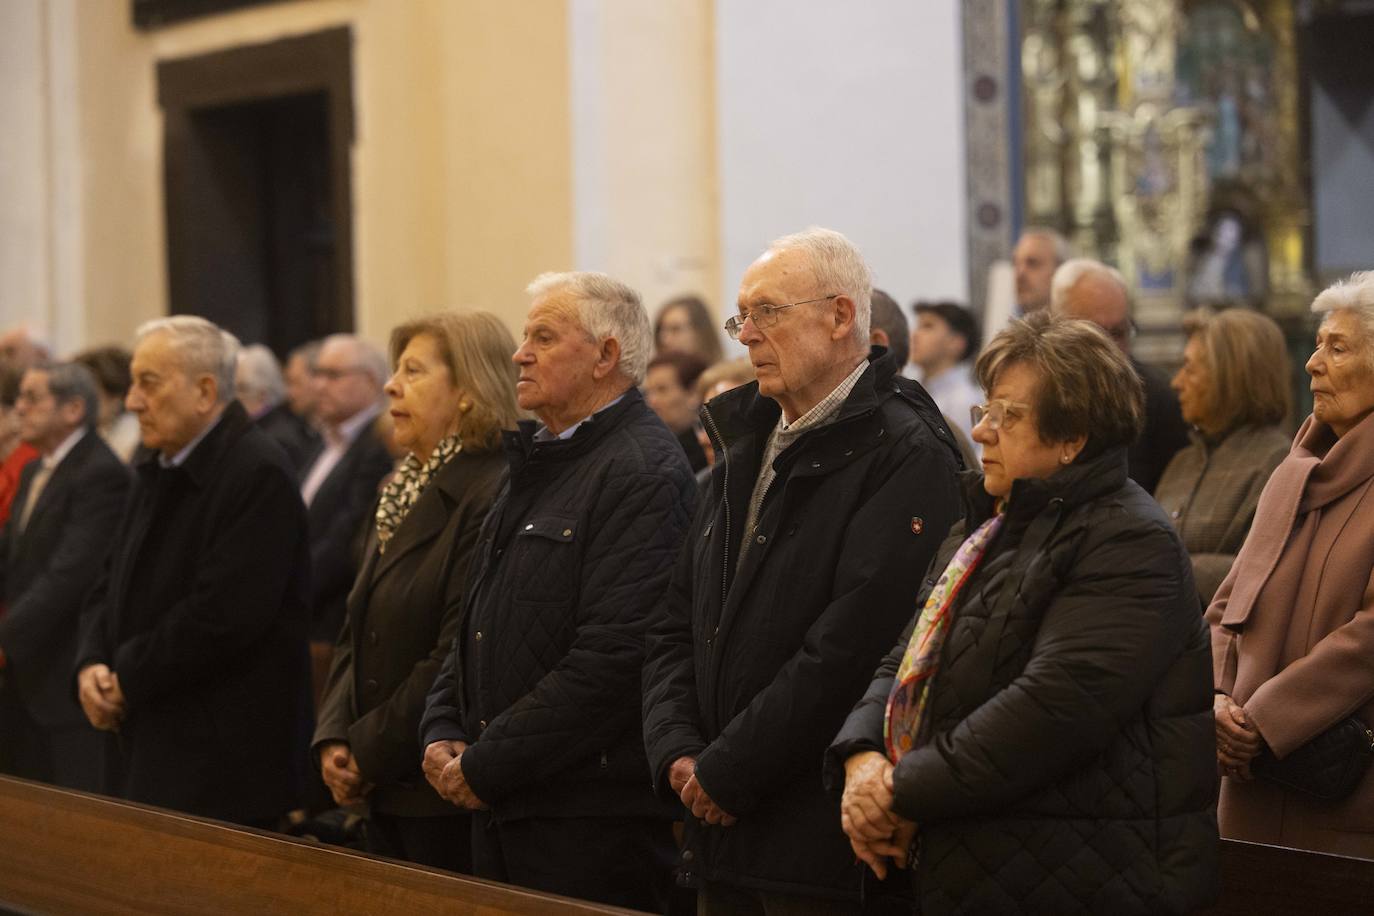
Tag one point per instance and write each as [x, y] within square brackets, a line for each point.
[713, 899]
[622, 861]
[440, 842]
[73, 758]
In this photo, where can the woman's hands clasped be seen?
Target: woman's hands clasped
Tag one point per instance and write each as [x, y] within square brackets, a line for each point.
[875, 831]
[1238, 741]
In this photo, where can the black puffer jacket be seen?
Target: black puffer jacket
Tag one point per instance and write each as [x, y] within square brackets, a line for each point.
[751, 670]
[544, 679]
[1071, 766]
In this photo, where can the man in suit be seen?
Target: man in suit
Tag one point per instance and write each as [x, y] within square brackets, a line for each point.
[341, 481]
[54, 544]
[1090, 290]
[194, 644]
[259, 386]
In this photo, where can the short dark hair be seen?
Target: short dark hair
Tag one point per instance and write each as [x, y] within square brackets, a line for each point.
[110, 366]
[1086, 385]
[960, 321]
[888, 318]
[73, 382]
[687, 367]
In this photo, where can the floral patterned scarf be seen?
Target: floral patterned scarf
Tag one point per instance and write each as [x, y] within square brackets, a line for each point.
[907, 703]
[406, 485]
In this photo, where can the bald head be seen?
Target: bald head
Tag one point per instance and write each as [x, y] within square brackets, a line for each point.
[1094, 292]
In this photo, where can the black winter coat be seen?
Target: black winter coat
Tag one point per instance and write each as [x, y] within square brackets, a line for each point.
[752, 671]
[402, 619]
[544, 679]
[1071, 764]
[202, 613]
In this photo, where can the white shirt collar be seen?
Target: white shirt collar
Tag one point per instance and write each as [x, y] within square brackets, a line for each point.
[180, 457]
[53, 460]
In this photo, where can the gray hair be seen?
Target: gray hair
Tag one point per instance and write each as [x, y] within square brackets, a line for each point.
[370, 359]
[74, 382]
[1067, 275]
[840, 270]
[204, 347]
[606, 308]
[1355, 293]
[261, 375]
[1062, 250]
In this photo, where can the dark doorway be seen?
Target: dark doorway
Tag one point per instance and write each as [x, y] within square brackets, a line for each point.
[258, 203]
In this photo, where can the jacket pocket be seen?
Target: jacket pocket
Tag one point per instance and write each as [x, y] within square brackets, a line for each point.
[546, 567]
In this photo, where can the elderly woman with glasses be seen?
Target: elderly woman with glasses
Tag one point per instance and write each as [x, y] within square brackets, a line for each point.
[1233, 388]
[1039, 737]
[452, 394]
[1293, 622]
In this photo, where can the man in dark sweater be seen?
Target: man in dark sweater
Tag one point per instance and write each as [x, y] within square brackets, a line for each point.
[533, 723]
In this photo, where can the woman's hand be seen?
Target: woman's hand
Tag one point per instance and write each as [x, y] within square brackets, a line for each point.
[340, 772]
[876, 833]
[1238, 741]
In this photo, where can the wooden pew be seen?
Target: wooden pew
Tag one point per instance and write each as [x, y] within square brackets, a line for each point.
[68, 852]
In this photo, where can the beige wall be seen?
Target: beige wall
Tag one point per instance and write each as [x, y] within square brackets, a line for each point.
[461, 166]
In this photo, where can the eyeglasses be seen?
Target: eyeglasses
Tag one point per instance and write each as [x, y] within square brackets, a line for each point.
[1000, 413]
[764, 315]
[334, 374]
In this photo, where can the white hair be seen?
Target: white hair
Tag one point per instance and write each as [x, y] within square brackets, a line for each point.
[1067, 275]
[1355, 294]
[204, 347]
[261, 378]
[1062, 250]
[370, 359]
[840, 270]
[606, 308]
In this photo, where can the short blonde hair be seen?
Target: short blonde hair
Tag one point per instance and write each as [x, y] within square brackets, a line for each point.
[1247, 364]
[477, 348]
[736, 372]
[1087, 387]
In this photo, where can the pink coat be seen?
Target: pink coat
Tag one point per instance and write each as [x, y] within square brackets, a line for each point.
[1293, 634]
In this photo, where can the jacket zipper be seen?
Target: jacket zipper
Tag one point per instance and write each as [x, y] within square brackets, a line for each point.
[714, 432]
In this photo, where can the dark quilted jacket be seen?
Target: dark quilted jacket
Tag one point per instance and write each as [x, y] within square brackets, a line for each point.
[544, 679]
[1071, 766]
[754, 685]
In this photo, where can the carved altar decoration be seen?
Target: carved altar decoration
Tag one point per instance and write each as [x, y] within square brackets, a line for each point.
[1162, 137]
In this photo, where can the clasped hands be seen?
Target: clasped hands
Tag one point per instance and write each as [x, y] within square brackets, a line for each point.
[876, 833]
[443, 768]
[97, 687]
[339, 769]
[682, 779]
[1238, 740]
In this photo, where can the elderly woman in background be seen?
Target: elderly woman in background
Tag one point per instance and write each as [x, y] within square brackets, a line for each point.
[1041, 731]
[1293, 623]
[451, 395]
[1233, 389]
[684, 325]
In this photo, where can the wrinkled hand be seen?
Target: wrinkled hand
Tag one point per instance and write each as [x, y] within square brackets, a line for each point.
[682, 770]
[437, 756]
[339, 769]
[876, 832]
[700, 804]
[453, 785]
[1238, 741]
[101, 698]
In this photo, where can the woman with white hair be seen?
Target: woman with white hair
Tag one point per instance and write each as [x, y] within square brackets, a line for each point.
[1293, 622]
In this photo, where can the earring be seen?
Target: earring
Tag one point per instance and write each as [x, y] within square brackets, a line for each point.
[1065, 459]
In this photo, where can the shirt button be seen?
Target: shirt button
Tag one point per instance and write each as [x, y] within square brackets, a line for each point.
[687, 855]
[482, 726]
[530, 526]
[567, 532]
[477, 636]
[762, 539]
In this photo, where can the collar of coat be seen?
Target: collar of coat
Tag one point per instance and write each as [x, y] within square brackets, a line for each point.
[520, 446]
[199, 465]
[742, 411]
[1079, 483]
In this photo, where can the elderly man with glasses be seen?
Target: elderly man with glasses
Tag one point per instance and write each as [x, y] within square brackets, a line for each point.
[1090, 290]
[836, 486]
